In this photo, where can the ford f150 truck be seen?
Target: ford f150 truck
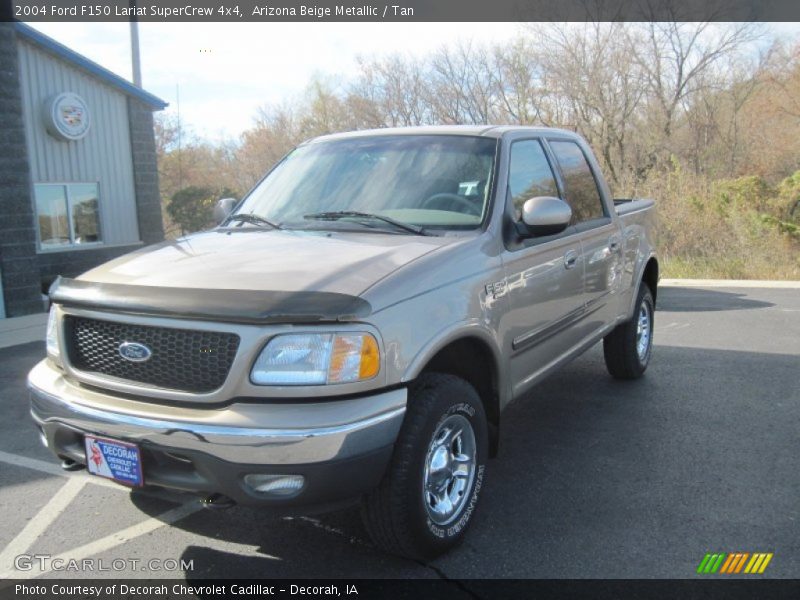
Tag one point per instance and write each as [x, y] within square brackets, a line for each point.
[353, 328]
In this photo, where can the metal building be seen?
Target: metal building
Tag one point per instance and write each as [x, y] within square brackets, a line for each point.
[78, 175]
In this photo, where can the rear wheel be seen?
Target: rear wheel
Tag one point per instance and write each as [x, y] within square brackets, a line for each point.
[426, 500]
[627, 349]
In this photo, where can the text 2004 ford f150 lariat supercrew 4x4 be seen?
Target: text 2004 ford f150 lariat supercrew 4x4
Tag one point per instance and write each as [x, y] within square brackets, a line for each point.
[353, 328]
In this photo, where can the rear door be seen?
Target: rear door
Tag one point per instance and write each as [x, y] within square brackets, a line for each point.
[598, 232]
[544, 276]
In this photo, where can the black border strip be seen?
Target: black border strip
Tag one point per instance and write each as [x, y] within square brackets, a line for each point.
[727, 588]
[408, 11]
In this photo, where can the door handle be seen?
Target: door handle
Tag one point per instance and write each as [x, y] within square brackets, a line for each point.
[613, 244]
[570, 259]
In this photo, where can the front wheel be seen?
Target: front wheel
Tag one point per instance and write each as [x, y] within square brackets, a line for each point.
[628, 347]
[428, 495]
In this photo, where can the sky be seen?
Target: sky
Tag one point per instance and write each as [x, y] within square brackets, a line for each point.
[223, 72]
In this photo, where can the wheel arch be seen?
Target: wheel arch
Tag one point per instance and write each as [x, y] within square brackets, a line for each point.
[471, 357]
[650, 276]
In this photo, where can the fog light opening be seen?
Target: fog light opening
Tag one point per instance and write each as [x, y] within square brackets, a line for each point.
[274, 485]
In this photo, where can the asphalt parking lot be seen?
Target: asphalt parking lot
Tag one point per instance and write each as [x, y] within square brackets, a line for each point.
[595, 478]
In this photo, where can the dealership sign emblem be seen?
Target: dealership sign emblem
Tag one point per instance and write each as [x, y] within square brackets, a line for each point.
[134, 352]
[66, 116]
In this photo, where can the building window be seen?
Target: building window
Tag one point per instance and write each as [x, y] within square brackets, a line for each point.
[67, 214]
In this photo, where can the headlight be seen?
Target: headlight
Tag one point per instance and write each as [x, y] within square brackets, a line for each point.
[51, 339]
[314, 359]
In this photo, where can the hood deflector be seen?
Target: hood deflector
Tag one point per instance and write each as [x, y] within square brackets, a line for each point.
[231, 306]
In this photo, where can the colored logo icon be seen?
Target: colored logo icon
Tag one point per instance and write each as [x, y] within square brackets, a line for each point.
[734, 562]
[134, 352]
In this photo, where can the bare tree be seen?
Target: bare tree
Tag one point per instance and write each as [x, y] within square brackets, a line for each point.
[592, 84]
[677, 58]
[461, 85]
[518, 84]
[392, 89]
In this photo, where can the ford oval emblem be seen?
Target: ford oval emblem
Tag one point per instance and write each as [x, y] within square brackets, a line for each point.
[134, 352]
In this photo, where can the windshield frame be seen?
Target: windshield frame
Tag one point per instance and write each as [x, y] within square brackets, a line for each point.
[325, 225]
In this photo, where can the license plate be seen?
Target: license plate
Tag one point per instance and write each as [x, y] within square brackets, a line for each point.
[113, 459]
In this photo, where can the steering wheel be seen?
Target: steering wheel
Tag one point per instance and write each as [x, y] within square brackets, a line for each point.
[446, 197]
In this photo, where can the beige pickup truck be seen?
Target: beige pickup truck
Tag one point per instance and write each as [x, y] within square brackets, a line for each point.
[353, 328]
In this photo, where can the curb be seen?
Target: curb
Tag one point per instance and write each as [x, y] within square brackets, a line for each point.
[730, 283]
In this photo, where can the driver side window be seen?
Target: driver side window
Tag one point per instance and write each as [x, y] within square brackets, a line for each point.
[529, 173]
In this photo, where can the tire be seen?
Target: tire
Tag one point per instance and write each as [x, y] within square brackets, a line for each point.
[625, 358]
[401, 515]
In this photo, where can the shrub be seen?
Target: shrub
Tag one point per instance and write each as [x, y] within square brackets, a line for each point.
[191, 207]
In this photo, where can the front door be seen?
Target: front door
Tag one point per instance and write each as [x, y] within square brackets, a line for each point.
[601, 243]
[544, 277]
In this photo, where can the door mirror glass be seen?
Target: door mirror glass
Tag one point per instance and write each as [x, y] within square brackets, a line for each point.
[546, 215]
[224, 208]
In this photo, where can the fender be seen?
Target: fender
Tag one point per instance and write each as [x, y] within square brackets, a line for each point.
[458, 331]
[639, 277]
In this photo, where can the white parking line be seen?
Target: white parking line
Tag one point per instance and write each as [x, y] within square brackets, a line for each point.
[38, 524]
[49, 513]
[113, 540]
[51, 469]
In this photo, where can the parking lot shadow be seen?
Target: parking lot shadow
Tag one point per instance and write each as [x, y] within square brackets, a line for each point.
[591, 473]
[688, 299]
[265, 545]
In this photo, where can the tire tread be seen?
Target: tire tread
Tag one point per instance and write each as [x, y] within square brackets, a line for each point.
[619, 346]
[386, 516]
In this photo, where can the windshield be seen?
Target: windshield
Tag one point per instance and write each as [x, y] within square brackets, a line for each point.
[430, 181]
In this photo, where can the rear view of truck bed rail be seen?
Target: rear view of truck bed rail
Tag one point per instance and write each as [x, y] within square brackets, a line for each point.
[626, 206]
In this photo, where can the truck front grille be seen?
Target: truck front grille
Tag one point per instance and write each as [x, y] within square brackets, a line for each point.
[180, 359]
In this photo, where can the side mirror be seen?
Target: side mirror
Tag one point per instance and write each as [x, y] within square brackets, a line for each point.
[223, 208]
[545, 215]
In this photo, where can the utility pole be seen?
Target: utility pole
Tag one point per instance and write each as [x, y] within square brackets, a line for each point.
[178, 102]
[137, 67]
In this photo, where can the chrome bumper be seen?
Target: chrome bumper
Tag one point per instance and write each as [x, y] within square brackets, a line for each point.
[251, 433]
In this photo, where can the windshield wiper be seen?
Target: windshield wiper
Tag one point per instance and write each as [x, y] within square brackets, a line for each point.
[252, 219]
[344, 214]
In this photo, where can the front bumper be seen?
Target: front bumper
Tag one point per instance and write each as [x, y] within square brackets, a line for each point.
[340, 447]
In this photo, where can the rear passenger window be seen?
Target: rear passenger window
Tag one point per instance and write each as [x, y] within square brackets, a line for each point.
[581, 190]
[530, 174]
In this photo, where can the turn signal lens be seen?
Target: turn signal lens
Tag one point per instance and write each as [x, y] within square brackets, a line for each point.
[354, 357]
[52, 334]
[370, 359]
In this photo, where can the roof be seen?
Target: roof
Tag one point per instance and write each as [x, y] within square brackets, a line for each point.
[61, 51]
[492, 131]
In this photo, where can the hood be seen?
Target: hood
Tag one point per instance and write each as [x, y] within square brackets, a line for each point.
[271, 260]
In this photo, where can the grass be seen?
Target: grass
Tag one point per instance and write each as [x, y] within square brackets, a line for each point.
[727, 229]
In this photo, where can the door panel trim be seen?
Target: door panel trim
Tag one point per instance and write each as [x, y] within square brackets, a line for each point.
[535, 337]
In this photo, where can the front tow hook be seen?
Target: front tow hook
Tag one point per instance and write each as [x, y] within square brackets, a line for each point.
[70, 465]
[217, 502]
